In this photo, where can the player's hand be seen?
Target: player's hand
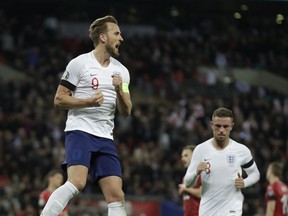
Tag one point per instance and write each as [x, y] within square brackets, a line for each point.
[181, 188]
[203, 166]
[97, 99]
[117, 81]
[239, 182]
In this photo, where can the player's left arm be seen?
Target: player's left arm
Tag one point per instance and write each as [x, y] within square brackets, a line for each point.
[270, 207]
[192, 175]
[253, 174]
[249, 166]
[124, 104]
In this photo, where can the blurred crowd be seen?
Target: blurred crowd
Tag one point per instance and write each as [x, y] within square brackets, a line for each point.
[164, 68]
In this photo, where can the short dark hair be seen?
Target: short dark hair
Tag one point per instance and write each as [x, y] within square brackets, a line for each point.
[191, 147]
[54, 172]
[223, 112]
[276, 168]
[100, 26]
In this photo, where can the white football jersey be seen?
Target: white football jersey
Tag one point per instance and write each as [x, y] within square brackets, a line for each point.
[220, 197]
[86, 73]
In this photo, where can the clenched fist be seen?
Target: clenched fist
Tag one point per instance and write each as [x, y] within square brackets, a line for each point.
[97, 99]
[117, 81]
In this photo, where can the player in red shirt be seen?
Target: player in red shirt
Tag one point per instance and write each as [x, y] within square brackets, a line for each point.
[276, 192]
[191, 196]
[55, 180]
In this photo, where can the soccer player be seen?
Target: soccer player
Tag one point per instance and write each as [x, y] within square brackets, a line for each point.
[219, 161]
[191, 196]
[276, 192]
[93, 86]
[55, 180]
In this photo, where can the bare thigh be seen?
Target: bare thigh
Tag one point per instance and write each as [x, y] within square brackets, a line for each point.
[111, 187]
[77, 175]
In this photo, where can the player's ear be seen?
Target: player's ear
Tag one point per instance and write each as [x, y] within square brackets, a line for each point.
[102, 37]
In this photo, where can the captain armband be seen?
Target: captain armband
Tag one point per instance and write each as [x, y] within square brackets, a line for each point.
[125, 87]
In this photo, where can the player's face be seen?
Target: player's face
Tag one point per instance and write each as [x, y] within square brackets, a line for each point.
[114, 39]
[186, 157]
[57, 180]
[221, 127]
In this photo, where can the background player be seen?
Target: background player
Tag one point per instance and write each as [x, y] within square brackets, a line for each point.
[191, 195]
[276, 191]
[55, 179]
[219, 161]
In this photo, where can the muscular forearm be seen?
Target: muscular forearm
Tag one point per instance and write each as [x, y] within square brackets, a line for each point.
[67, 102]
[124, 104]
[64, 100]
[196, 192]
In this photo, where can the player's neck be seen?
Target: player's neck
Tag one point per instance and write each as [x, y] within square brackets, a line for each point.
[220, 145]
[101, 56]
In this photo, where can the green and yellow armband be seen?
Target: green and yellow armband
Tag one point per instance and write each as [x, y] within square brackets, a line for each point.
[125, 87]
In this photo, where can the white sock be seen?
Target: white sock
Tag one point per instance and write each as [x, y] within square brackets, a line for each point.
[116, 209]
[59, 199]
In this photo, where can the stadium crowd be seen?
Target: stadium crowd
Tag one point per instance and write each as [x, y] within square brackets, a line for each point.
[164, 67]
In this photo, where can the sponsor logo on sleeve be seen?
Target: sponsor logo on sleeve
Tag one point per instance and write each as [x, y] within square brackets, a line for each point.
[66, 75]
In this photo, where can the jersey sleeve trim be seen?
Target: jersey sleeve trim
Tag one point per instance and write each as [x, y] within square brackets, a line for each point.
[247, 165]
[67, 84]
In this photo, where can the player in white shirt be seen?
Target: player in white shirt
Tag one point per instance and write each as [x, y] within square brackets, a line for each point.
[219, 161]
[90, 77]
[92, 87]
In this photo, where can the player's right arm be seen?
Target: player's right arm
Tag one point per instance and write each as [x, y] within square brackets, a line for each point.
[193, 171]
[42, 201]
[65, 213]
[69, 81]
[284, 200]
[63, 98]
[195, 192]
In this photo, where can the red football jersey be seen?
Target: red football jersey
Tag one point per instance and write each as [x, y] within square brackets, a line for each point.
[191, 203]
[43, 198]
[278, 191]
